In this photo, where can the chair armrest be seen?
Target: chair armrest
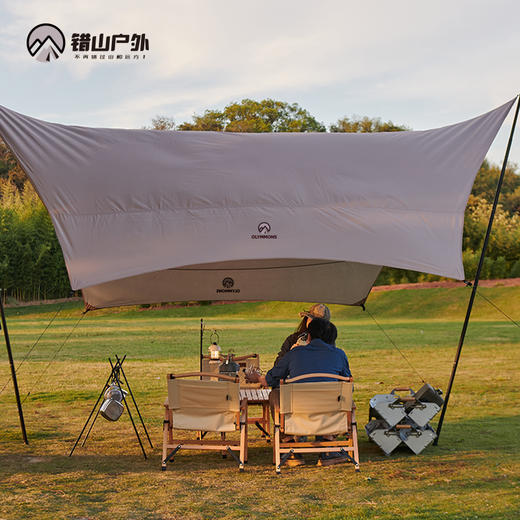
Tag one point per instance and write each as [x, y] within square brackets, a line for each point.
[242, 358]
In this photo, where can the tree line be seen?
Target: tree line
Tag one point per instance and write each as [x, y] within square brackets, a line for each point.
[31, 261]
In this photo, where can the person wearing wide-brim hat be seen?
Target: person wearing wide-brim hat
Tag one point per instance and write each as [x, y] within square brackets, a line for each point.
[318, 310]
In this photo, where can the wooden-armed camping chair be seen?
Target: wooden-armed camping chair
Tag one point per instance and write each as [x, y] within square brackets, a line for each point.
[316, 408]
[204, 406]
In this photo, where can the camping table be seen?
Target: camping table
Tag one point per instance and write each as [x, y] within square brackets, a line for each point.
[256, 395]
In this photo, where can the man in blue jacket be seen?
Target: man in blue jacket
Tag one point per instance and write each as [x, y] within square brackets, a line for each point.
[318, 355]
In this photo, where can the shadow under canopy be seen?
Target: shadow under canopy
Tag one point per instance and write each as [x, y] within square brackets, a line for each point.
[145, 216]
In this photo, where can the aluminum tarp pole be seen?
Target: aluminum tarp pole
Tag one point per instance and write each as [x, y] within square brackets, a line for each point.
[477, 275]
[13, 370]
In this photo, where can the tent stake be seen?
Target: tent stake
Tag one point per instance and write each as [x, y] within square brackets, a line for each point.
[477, 275]
[13, 370]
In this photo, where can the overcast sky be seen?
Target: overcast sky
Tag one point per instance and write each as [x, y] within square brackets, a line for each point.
[423, 64]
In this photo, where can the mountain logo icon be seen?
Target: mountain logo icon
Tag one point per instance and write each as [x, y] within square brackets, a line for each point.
[228, 282]
[45, 42]
[264, 227]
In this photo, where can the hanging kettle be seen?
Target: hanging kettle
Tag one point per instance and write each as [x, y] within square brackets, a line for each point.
[112, 407]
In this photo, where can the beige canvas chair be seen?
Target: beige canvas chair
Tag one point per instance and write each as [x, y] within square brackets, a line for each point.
[316, 408]
[204, 406]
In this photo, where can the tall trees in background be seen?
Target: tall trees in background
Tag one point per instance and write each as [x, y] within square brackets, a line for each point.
[32, 265]
[31, 261]
[248, 115]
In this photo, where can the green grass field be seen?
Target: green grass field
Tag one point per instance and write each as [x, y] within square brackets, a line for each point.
[474, 472]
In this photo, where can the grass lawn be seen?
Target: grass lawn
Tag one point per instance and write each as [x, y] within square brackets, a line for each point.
[473, 473]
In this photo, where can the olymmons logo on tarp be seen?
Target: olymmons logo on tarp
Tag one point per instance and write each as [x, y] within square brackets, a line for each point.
[264, 229]
[45, 42]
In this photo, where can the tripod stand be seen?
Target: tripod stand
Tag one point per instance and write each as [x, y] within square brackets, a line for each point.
[115, 377]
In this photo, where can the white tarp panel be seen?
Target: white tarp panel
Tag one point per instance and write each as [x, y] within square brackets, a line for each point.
[129, 206]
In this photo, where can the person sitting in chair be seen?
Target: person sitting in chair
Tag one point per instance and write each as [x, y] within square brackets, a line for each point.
[318, 355]
[318, 310]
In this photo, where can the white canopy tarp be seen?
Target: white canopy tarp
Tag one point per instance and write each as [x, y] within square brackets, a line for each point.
[147, 216]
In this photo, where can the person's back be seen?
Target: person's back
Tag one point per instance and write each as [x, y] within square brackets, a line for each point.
[320, 355]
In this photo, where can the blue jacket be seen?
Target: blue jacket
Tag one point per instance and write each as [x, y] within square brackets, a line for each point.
[317, 356]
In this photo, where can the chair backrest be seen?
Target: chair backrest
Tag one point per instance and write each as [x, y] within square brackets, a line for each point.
[249, 360]
[204, 405]
[211, 366]
[317, 408]
[245, 363]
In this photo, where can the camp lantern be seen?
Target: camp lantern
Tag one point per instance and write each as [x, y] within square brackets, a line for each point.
[112, 408]
[214, 351]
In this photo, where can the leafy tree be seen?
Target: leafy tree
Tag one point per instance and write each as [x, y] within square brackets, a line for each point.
[31, 261]
[512, 201]
[162, 123]
[504, 240]
[211, 121]
[249, 115]
[365, 125]
[486, 184]
[9, 167]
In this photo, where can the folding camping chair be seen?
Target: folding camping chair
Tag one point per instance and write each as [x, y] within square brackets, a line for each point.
[204, 406]
[316, 408]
